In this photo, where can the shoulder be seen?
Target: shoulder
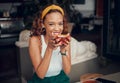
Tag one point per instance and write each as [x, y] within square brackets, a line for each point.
[35, 40]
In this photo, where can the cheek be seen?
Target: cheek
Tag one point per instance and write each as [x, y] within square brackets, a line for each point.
[61, 28]
[48, 28]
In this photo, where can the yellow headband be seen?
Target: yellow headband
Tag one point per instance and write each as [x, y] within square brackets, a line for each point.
[46, 10]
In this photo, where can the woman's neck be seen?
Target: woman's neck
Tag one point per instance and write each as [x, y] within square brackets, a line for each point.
[46, 38]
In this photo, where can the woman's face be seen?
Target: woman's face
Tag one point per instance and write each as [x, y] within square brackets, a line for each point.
[54, 24]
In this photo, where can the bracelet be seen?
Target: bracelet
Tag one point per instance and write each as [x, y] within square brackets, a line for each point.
[63, 54]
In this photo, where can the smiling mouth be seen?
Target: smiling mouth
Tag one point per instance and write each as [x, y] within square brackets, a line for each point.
[55, 33]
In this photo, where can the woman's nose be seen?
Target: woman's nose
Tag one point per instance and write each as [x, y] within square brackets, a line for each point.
[57, 27]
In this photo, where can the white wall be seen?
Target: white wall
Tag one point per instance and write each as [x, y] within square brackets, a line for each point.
[89, 5]
[86, 9]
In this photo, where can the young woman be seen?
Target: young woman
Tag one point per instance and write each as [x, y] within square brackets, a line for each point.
[49, 46]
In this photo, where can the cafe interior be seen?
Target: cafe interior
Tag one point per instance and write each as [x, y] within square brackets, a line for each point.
[94, 26]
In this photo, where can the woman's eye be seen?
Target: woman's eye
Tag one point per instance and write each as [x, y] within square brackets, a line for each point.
[60, 23]
[50, 24]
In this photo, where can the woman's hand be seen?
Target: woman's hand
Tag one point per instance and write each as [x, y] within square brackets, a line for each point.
[60, 40]
[54, 42]
[64, 40]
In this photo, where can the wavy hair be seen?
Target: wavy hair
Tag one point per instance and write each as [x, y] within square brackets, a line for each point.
[37, 28]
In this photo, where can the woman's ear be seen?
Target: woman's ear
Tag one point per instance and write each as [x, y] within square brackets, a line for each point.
[42, 23]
